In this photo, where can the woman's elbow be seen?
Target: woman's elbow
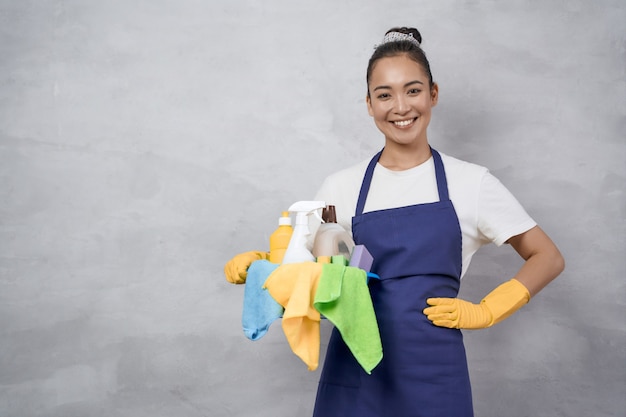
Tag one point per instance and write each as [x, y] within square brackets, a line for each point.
[558, 262]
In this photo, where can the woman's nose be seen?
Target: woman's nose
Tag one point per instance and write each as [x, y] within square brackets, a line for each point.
[402, 106]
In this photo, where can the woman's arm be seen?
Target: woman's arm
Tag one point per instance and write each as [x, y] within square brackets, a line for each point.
[543, 263]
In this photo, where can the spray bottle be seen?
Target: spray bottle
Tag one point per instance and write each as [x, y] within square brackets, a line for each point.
[297, 250]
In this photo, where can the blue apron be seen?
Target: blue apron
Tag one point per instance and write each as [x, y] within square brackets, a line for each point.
[417, 254]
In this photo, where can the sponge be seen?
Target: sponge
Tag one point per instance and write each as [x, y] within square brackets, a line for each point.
[361, 258]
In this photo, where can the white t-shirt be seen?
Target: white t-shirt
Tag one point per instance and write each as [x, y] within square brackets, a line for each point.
[487, 211]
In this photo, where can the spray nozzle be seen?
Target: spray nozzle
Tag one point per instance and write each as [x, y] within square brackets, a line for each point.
[305, 208]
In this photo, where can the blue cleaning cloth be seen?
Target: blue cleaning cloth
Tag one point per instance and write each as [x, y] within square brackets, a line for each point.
[259, 308]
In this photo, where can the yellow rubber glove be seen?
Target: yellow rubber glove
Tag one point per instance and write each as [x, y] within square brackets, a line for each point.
[499, 304]
[236, 270]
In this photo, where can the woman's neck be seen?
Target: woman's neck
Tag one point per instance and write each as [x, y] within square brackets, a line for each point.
[397, 157]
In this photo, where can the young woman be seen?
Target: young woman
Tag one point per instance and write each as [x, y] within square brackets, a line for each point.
[422, 215]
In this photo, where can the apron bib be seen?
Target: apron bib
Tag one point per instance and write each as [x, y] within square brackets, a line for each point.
[423, 373]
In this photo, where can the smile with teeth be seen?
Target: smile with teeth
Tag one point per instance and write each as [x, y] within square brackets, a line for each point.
[404, 123]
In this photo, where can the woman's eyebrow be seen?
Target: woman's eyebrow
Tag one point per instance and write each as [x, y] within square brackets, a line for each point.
[413, 82]
[383, 87]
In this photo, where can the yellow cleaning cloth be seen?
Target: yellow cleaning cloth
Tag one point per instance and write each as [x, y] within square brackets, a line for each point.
[294, 286]
[343, 298]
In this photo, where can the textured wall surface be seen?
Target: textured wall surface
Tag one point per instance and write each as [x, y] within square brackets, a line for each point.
[145, 142]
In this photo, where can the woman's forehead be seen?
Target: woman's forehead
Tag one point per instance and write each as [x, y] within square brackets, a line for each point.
[397, 67]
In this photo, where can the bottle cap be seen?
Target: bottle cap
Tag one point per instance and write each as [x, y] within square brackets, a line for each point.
[284, 220]
[329, 215]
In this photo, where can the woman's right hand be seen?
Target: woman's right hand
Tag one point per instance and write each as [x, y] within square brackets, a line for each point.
[236, 270]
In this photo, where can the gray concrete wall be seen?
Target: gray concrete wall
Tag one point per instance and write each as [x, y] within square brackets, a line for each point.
[143, 143]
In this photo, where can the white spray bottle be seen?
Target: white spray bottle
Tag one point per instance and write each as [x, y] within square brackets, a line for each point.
[297, 250]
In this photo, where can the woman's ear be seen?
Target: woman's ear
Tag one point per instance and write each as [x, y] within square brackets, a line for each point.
[434, 94]
[368, 100]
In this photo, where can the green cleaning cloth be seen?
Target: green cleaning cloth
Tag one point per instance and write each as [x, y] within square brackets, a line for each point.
[343, 298]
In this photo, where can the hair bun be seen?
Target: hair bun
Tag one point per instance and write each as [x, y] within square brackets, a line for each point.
[407, 31]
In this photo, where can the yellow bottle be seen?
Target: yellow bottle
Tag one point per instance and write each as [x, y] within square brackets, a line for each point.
[279, 240]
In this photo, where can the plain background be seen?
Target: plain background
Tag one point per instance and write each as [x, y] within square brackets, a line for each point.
[145, 142]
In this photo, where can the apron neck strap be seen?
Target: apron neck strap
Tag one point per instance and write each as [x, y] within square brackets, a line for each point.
[440, 175]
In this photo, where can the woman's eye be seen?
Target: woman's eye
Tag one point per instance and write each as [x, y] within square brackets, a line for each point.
[383, 96]
[414, 91]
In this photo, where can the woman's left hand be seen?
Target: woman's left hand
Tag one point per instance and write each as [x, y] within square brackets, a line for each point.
[455, 313]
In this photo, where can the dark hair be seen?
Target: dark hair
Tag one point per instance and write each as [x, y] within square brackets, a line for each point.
[401, 47]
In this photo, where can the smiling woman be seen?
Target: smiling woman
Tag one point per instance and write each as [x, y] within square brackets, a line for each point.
[422, 215]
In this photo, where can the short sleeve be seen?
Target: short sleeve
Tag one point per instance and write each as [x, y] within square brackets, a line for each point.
[500, 215]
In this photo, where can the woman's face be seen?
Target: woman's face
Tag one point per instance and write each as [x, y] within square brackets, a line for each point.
[400, 100]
